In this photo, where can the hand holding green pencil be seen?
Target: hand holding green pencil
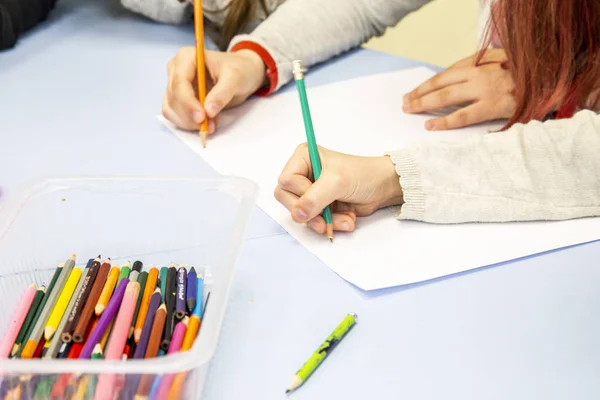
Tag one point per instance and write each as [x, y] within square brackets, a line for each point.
[348, 186]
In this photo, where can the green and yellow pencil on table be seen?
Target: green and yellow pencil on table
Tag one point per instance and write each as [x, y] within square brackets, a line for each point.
[313, 149]
[322, 352]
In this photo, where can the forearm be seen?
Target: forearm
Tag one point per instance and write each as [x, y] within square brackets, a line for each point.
[316, 30]
[548, 171]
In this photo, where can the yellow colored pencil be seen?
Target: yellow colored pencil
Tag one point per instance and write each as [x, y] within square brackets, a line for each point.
[61, 303]
[107, 290]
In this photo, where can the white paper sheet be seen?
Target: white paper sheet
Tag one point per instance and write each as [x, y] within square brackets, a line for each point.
[364, 117]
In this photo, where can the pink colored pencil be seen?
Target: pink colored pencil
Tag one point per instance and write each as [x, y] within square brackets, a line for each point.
[118, 337]
[17, 321]
[174, 347]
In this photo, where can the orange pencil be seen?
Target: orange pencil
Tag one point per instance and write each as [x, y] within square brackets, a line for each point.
[157, 331]
[199, 29]
[107, 290]
[148, 290]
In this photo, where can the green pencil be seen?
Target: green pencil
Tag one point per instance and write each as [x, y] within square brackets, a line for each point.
[313, 150]
[124, 273]
[322, 352]
[37, 300]
[163, 282]
[41, 306]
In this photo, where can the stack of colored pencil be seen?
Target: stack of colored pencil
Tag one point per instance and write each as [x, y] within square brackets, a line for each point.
[104, 311]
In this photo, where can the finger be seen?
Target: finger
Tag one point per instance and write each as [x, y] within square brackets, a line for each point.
[287, 199]
[222, 92]
[184, 102]
[295, 182]
[322, 193]
[343, 222]
[297, 165]
[171, 115]
[445, 97]
[446, 78]
[470, 115]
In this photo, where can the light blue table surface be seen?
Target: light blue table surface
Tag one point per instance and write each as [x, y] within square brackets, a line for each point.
[79, 95]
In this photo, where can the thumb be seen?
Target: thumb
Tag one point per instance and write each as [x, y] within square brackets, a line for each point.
[221, 94]
[322, 193]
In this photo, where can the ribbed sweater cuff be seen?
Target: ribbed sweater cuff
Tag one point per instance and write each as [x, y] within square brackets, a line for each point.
[410, 181]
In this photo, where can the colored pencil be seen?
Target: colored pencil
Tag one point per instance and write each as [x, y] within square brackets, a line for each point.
[17, 321]
[156, 332]
[90, 304]
[87, 283]
[148, 290]
[142, 344]
[105, 319]
[313, 149]
[175, 346]
[196, 317]
[21, 345]
[137, 266]
[37, 300]
[61, 304]
[125, 270]
[97, 353]
[118, 338]
[156, 383]
[56, 342]
[180, 299]
[63, 352]
[163, 282]
[38, 330]
[81, 388]
[107, 290]
[106, 334]
[143, 277]
[191, 290]
[134, 275]
[170, 302]
[322, 352]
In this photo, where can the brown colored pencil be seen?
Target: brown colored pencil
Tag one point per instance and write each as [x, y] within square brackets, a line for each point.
[157, 330]
[82, 297]
[91, 302]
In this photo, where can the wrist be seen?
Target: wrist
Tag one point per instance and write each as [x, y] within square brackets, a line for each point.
[392, 194]
[257, 70]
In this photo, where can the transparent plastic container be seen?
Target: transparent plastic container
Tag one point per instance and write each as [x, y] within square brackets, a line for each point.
[190, 221]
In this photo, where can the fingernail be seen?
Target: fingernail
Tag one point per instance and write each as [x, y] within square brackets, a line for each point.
[314, 225]
[406, 107]
[198, 117]
[429, 125]
[212, 109]
[344, 226]
[300, 215]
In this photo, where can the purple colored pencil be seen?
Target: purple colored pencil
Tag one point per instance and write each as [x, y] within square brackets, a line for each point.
[107, 316]
[191, 290]
[181, 293]
[155, 301]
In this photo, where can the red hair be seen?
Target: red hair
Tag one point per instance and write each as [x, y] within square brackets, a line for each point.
[553, 50]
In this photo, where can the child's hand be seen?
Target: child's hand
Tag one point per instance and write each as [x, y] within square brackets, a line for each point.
[486, 89]
[354, 186]
[231, 79]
